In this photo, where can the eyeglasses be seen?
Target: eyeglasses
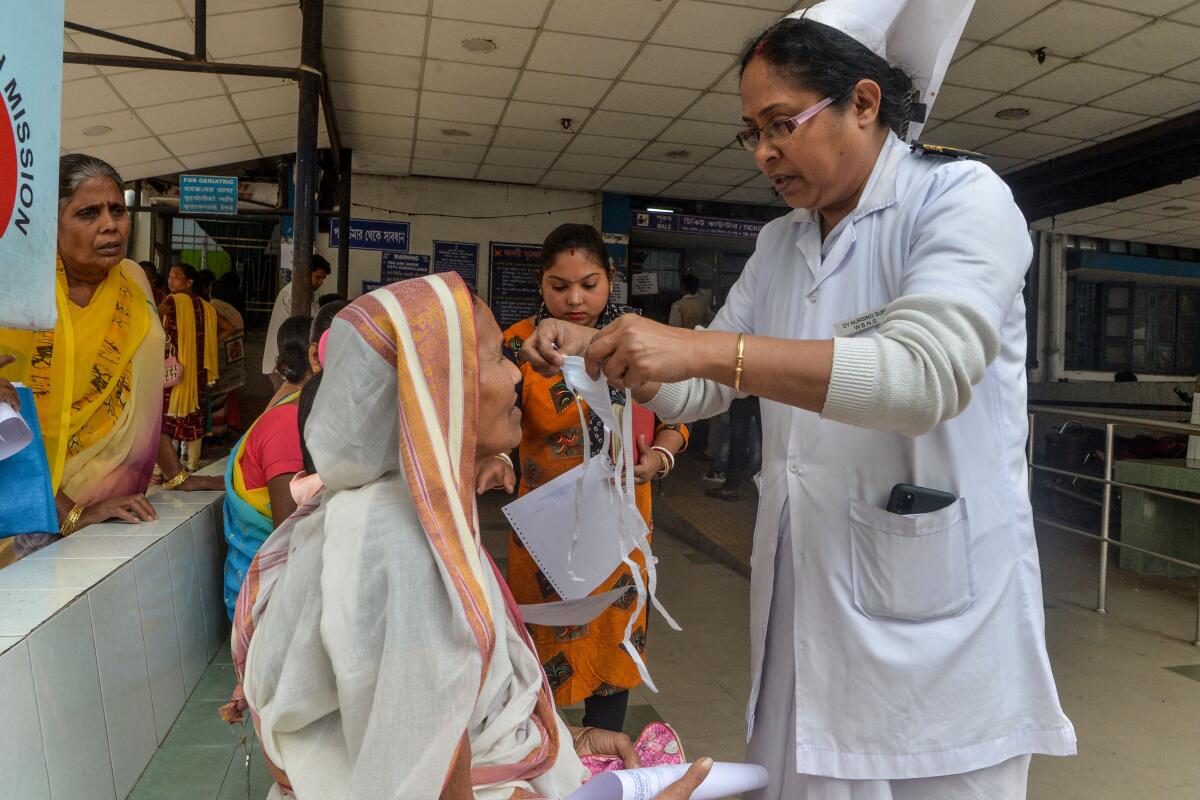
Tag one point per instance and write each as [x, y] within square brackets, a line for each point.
[781, 129]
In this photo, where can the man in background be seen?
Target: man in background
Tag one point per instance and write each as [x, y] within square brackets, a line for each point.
[283, 309]
[691, 309]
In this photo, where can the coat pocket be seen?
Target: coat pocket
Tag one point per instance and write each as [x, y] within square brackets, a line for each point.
[911, 568]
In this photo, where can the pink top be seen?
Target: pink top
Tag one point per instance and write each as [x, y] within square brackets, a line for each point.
[273, 446]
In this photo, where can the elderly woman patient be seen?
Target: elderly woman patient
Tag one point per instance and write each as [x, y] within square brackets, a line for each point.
[384, 657]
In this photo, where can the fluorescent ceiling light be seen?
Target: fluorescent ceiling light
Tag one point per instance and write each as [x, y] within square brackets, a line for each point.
[662, 210]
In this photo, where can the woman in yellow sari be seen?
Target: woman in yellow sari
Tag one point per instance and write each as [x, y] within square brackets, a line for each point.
[97, 376]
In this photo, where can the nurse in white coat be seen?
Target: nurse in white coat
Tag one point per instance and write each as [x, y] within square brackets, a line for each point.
[882, 324]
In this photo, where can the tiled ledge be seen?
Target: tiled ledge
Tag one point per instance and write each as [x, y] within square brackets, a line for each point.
[103, 635]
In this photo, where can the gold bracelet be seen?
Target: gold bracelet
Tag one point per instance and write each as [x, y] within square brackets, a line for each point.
[579, 735]
[506, 459]
[737, 370]
[178, 480]
[68, 526]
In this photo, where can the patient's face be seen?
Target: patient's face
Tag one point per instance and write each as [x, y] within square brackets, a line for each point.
[499, 416]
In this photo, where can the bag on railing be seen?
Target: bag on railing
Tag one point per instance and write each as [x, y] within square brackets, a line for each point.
[27, 502]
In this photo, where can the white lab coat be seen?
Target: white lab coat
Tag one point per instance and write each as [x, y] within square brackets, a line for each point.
[280, 312]
[919, 645]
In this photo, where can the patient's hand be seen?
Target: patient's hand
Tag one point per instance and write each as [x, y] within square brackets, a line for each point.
[494, 473]
[682, 789]
[597, 742]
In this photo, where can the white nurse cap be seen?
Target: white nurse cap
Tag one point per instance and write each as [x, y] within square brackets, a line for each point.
[918, 36]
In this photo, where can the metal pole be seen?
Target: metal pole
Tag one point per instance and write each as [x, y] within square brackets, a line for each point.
[1105, 514]
[201, 21]
[1197, 642]
[306, 155]
[343, 257]
[174, 65]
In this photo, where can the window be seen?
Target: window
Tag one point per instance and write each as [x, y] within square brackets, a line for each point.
[1146, 328]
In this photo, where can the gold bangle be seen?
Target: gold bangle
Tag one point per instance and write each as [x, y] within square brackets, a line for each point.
[178, 480]
[506, 459]
[579, 735]
[68, 526]
[737, 370]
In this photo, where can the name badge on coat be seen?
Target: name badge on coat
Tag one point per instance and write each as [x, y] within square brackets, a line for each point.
[860, 322]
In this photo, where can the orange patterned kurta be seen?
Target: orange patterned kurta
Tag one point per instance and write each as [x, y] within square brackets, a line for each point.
[585, 660]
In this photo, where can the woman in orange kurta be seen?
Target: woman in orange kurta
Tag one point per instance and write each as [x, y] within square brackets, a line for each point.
[584, 662]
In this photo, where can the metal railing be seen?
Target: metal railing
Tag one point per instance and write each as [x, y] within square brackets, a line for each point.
[1111, 423]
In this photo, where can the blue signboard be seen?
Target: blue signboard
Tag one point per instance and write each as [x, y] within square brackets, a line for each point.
[692, 223]
[372, 234]
[514, 293]
[460, 257]
[208, 194]
[402, 266]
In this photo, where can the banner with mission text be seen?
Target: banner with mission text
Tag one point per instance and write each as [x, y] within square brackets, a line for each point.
[30, 96]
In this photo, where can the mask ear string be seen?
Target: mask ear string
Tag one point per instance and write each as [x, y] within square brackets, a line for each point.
[587, 458]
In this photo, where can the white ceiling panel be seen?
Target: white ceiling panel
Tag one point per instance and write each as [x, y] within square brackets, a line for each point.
[661, 170]
[353, 66]
[645, 98]
[288, 145]
[1190, 15]
[605, 145]
[149, 169]
[780, 6]
[376, 32]
[576, 162]
[1029, 145]
[1156, 8]
[504, 174]
[177, 34]
[434, 130]
[123, 125]
[380, 164]
[146, 87]
[964, 135]
[1072, 29]
[530, 139]
[482, 110]
[542, 116]
[443, 169]
[446, 39]
[989, 20]
[374, 99]
[1185, 188]
[513, 157]
[232, 6]
[587, 181]
[720, 175]
[460, 78]
[1079, 229]
[748, 194]
[265, 30]
[1039, 111]
[277, 58]
[270, 102]
[954, 100]
[734, 158]
[616, 123]
[388, 125]
[130, 151]
[1085, 122]
[108, 16]
[730, 82]
[1083, 214]
[698, 191]
[220, 137]
[999, 69]
[570, 54]
[676, 153]
[620, 19]
[522, 13]
[1154, 97]
[635, 185]
[1156, 48]
[89, 96]
[716, 107]
[1162, 225]
[549, 87]
[218, 158]
[176, 117]
[271, 128]
[676, 66]
[467, 153]
[1125, 219]
[1081, 83]
[690, 131]
[710, 26]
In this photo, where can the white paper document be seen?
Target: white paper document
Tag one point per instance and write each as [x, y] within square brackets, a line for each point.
[723, 780]
[545, 520]
[15, 435]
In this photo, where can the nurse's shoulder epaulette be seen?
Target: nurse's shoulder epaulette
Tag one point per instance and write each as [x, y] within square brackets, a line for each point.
[942, 151]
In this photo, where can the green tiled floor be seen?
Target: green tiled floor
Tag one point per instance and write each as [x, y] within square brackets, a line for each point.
[203, 757]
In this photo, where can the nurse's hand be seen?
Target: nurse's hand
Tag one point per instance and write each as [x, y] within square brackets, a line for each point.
[553, 339]
[682, 789]
[634, 351]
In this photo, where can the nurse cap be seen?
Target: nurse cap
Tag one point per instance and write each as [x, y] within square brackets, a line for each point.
[918, 36]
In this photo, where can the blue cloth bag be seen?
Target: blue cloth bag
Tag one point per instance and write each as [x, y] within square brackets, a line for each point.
[26, 498]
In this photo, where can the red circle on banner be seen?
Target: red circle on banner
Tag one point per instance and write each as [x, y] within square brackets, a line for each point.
[8, 168]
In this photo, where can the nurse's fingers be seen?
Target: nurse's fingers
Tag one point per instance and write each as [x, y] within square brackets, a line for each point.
[600, 350]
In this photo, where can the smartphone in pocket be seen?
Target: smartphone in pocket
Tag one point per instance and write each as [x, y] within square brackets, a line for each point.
[909, 499]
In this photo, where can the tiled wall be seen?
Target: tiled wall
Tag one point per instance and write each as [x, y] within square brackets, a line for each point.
[103, 636]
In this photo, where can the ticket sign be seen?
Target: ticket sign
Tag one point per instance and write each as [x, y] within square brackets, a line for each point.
[30, 101]
[371, 234]
[208, 194]
[692, 223]
[460, 257]
[402, 266]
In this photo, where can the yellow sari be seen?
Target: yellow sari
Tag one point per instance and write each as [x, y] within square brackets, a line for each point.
[97, 382]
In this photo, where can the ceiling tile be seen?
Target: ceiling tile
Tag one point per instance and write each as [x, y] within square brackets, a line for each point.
[398, 6]
[270, 128]
[964, 47]
[1002, 165]
[1155, 97]
[1125, 219]
[644, 98]
[513, 157]
[573, 180]
[89, 96]
[176, 117]
[747, 194]
[678, 154]
[720, 175]
[716, 107]
[482, 110]
[375, 31]
[450, 152]
[388, 125]
[522, 13]
[1083, 214]
[443, 169]
[108, 16]
[676, 66]
[124, 124]
[1156, 48]
[531, 140]
[353, 66]
[1186, 188]
[380, 164]
[576, 162]
[271, 102]
[1155, 8]
[260, 31]
[605, 145]
[1072, 29]
[774, 5]
[635, 185]
[1190, 15]
[730, 83]
[145, 87]
[287, 145]
[734, 158]
[615, 123]
[1039, 111]
[570, 54]
[150, 169]
[964, 135]
[132, 151]
[954, 100]
[708, 133]
[1080, 82]
[1170, 225]
[1028, 145]
[453, 76]
[219, 158]
[1124, 234]
[1086, 123]
[699, 191]
[374, 99]
[999, 69]
[991, 19]
[504, 174]
[278, 58]
[621, 19]
[433, 130]
[711, 26]
[549, 87]
[542, 116]
[1080, 229]
[655, 169]
[446, 39]
[220, 137]
[76, 72]
[176, 33]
